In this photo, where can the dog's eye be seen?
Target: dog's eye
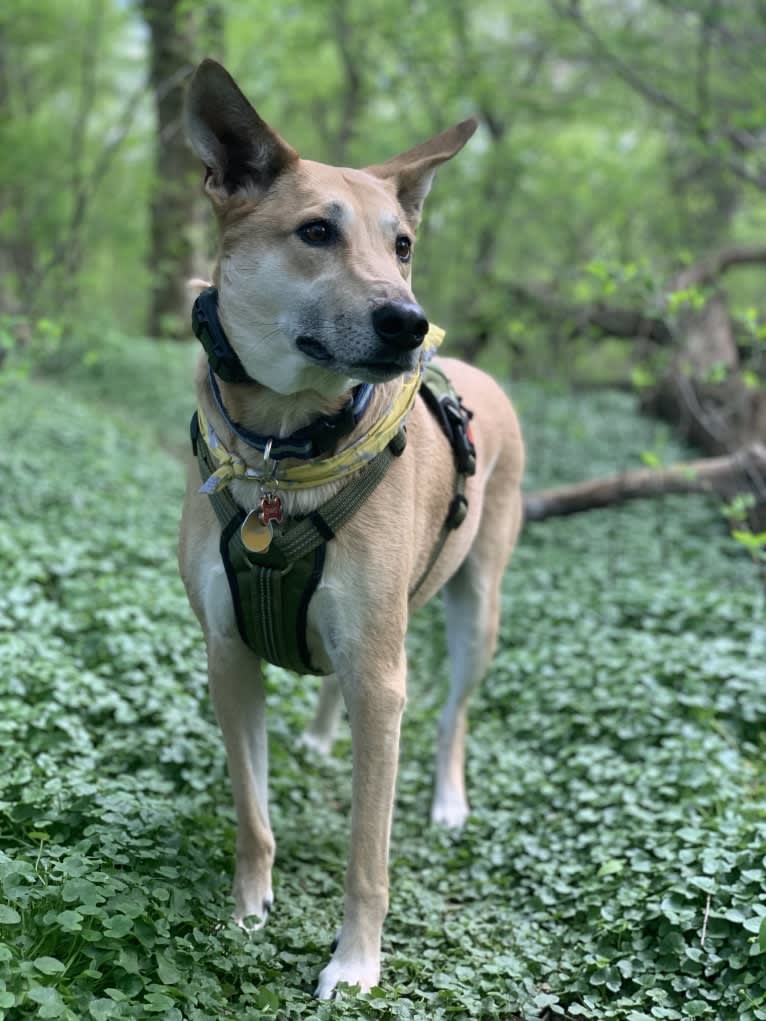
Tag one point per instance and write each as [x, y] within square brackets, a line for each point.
[318, 232]
[403, 248]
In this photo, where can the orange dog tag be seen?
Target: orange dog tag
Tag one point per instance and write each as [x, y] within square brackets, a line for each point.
[256, 536]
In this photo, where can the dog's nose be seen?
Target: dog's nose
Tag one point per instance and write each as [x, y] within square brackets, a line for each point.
[400, 324]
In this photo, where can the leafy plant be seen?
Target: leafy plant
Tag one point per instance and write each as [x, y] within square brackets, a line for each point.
[613, 864]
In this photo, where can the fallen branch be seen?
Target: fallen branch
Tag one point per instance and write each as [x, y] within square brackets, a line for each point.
[744, 470]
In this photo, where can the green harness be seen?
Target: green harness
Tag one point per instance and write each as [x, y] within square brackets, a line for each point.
[271, 591]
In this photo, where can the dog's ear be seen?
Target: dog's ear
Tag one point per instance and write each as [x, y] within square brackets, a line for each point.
[240, 151]
[413, 171]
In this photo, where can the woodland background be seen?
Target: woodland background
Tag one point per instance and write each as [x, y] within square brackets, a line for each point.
[605, 226]
[601, 247]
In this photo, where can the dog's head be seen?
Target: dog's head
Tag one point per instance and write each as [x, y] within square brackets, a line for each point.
[315, 262]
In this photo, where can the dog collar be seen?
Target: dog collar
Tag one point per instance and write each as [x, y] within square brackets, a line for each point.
[315, 439]
[319, 471]
[221, 356]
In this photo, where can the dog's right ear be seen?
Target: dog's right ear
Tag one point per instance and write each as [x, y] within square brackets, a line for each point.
[240, 151]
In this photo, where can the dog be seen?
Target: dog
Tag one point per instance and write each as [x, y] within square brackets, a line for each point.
[315, 299]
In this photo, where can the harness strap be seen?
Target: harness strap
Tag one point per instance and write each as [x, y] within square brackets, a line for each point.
[445, 405]
[451, 522]
[307, 533]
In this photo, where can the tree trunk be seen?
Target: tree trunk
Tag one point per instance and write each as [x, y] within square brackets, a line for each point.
[171, 255]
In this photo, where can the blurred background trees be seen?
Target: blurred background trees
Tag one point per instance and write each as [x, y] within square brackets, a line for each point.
[605, 225]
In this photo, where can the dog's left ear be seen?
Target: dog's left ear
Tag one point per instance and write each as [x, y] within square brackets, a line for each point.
[414, 170]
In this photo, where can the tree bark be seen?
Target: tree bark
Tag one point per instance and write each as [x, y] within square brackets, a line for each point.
[744, 471]
[171, 255]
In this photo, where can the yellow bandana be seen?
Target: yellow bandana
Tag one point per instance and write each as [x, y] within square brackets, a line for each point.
[347, 461]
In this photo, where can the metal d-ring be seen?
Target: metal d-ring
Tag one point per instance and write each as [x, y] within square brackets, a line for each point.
[269, 483]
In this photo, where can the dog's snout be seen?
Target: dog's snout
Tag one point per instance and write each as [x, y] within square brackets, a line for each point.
[400, 325]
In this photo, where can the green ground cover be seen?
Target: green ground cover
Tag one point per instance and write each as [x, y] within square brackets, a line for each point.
[616, 759]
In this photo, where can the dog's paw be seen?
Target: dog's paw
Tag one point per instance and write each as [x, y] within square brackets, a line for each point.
[450, 809]
[253, 900]
[354, 971]
[252, 921]
[316, 744]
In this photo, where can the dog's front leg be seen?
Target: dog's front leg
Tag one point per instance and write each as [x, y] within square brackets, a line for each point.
[375, 702]
[237, 690]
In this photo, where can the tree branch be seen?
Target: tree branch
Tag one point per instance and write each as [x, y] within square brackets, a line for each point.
[633, 322]
[649, 91]
[691, 120]
[610, 320]
[721, 475]
[714, 266]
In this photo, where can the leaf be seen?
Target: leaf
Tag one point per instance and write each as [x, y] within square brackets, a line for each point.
[83, 891]
[157, 1002]
[48, 965]
[696, 1008]
[70, 921]
[650, 458]
[749, 540]
[50, 1002]
[101, 1009]
[9, 915]
[118, 926]
[167, 971]
[611, 867]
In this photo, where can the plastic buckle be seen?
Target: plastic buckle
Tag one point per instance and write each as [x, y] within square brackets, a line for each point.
[194, 432]
[457, 511]
[326, 432]
[398, 443]
[465, 451]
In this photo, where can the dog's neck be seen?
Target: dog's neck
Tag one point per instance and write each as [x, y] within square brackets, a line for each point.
[264, 411]
[268, 413]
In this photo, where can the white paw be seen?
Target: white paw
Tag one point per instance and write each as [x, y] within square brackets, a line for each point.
[253, 900]
[318, 744]
[355, 971]
[449, 809]
[250, 923]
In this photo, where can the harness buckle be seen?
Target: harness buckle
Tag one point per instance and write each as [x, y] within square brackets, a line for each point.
[325, 432]
[458, 419]
[457, 512]
[194, 432]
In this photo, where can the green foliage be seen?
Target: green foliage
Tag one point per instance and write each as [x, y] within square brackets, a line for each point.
[755, 543]
[576, 182]
[615, 761]
[75, 163]
[737, 508]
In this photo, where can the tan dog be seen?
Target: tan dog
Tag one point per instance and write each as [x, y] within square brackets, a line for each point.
[310, 255]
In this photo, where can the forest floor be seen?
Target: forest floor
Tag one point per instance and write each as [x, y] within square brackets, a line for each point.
[613, 866]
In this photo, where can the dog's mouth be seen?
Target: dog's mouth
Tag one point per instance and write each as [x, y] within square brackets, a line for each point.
[313, 349]
[372, 370]
[380, 370]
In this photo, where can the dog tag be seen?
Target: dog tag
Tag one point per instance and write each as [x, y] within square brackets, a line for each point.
[256, 535]
[270, 509]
